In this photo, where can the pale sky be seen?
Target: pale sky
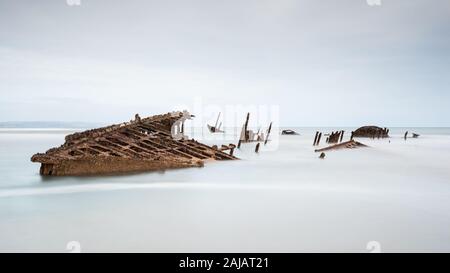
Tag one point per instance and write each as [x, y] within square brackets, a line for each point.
[322, 62]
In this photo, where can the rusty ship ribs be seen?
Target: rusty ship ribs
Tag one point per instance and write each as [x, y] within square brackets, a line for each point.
[139, 145]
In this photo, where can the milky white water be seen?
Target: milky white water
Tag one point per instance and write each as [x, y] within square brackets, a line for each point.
[284, 199]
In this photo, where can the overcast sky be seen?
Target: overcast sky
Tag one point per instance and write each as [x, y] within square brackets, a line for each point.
[322, 62]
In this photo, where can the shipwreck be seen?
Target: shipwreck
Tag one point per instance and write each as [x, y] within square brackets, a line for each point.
[215, 128]
[251, 136]
[371, 132]
[152, 143]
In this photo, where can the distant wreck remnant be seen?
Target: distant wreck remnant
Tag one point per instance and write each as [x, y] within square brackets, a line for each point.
[289, 132]
[251, 136]
[332, 138]
[317, 138]
[371, 131]
[144, 144]
[216, 128]
[335, 137]
[268, 133]
[344, 145]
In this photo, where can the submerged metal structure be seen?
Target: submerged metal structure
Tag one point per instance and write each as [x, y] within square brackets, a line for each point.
[216, 128]
[153, 143]
[371, 132]
[351, 144]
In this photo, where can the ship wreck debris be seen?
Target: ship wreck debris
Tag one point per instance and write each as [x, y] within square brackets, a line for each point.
[317, 138]
[289, 132]
[257, 148]
[335, 137]
[268, 133]
[216, 128]
[351, 144]
[251, 136]
[332, 138]
[144, 144]
[371, 131]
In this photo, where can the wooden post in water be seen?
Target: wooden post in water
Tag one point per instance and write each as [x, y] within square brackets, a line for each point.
[315, 138]
[217, 121]
[257, 148]
[335, 137]
[239, 144]
[351, 137]
[246, 136]
[268, 133]
[406, 135]
[342, 136]
[318, 139]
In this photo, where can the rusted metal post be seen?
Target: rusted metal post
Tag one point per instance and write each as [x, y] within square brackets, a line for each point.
[246, 135]
[257, 148]
[315, 138]
[217, 121]
[231, 146]
[268, 133]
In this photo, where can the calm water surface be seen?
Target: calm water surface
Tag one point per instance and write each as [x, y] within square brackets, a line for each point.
[283, 199]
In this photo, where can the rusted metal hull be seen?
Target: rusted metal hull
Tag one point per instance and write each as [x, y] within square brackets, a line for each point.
[140, 145]
[344, 145]
[106, 165]
[371, 132]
